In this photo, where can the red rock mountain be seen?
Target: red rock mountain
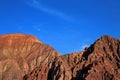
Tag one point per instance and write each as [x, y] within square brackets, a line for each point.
[24, 57]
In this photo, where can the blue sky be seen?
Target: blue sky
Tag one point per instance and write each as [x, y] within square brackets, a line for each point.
[66, 25]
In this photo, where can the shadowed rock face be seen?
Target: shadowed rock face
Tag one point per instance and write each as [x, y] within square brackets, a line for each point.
[101, 61]
[24, 57]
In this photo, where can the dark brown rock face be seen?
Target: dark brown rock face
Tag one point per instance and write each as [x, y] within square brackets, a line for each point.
[101, 61]
[23, 57]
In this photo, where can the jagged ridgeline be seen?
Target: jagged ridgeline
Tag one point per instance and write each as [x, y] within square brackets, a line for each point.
[24, 57]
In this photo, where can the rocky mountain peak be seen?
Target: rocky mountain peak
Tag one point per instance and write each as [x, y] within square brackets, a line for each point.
[24, 57]
[20, 54]
[10, 39]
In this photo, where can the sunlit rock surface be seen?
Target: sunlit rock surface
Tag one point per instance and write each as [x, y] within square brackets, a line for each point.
[24, 57]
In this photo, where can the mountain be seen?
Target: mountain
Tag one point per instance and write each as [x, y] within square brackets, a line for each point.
[24, 57]
[101, 61]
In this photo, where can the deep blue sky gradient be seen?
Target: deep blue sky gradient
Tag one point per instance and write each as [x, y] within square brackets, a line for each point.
[66, 25]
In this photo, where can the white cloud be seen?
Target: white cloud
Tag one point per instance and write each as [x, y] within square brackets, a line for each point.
[37, 27]
[83, 46]
[38, 5]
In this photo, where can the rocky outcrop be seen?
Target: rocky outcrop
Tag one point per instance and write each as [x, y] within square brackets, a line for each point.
[101, 61]
[20, 54]
[24, 57]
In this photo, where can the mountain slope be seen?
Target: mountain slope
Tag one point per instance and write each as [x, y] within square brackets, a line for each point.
[101, 61]
[20, 54]
[24, 57]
